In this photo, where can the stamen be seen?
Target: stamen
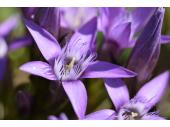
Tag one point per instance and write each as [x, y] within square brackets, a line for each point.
[134, 114]
[70, 65]
[134, 110]
[130, 115]
[73, 60]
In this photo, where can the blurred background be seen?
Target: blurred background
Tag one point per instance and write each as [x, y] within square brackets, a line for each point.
[23, 96]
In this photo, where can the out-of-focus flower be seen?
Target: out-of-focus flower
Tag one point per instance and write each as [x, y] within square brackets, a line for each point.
[46, 17]
[49, 18]
[29, 12]
[138, 107]
[74, 17]
[75, 61]
[8, 25]
[5, 28]
[62, 116]
[20, 43]
[3, 52]
[146, 52]
[121, 27]
[24, 101]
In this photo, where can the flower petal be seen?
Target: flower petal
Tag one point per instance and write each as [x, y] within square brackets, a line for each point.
[117, 91]
[165, 39]
[3, 62]
[63, 116]
[3, 48]
[152, 91]
[152, 117]
[110, 16]
[40, 69]
[83, 39]
[100, 115]
[20, 43]
[29, 12]
[121, 34]
[52, 117]
[49, 18]
[74, 17]
[101, 69]
[47, 44]
[76, 92]
[146, 52]
[8, 25]
[140, 17]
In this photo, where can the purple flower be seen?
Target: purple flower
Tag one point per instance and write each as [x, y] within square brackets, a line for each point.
[8, 25]
[138, 107]
[29, 12]
[98, 115]
[75, 61]
[120, 26]
[24, 102]
[49, 19]
[20, 43]
[3, 53]
[5, 28]
[74, 17]
[146, 52]
[62, 116]
[46, 17]
[103, 114]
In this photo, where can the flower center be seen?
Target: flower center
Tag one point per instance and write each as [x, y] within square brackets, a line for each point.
[71, 68]
[134, 110]
[130, 115]
[70, 63]
[73, 60]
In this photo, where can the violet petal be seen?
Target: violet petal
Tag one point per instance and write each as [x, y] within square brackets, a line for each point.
[101, 69]
[8, 25]
[165, 39]
[47, 44]
[145, 54]
[152, 91]
[39, 68]
[76, 92]
[117, 91]
[100, 115]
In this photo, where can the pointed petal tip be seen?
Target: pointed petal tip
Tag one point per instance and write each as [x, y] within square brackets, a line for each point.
[26, 22]
[123, 34]
[39, 68]
[132, 73]
[152, 91]
[117, 87]
[22, 67]
[77, 95]
[161, 9]
[90, 27]
[44, 40]
[94, 20]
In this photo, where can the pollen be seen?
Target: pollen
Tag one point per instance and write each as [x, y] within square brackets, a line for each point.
[70, 65]
[134, 114]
